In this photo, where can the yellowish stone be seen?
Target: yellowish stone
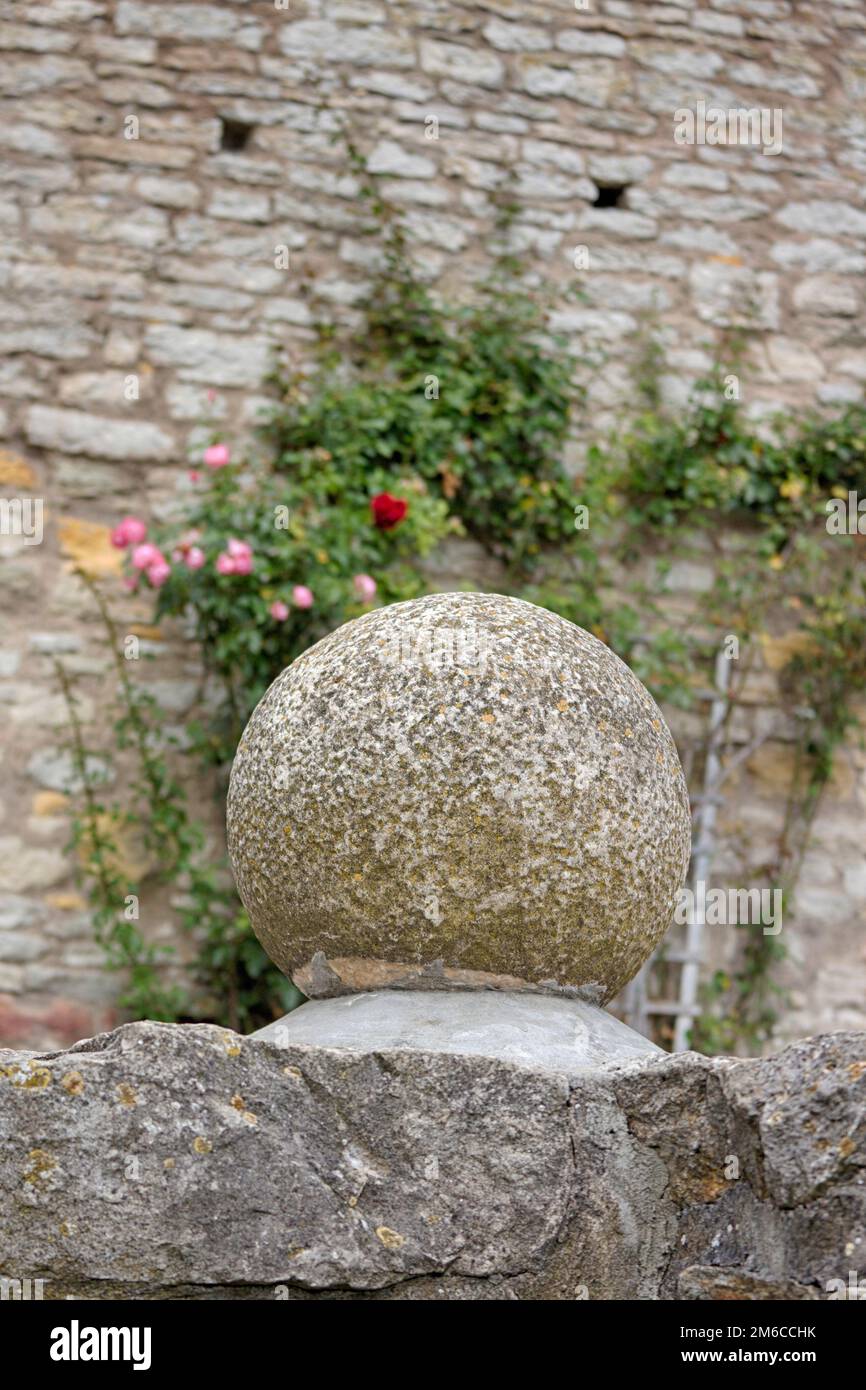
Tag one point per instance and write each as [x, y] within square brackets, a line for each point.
[88, 545]
[16, 472]
[49, 803]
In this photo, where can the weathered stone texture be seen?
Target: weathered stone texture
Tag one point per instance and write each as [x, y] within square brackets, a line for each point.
[464, 778]
[545, 85]
[245, 1168]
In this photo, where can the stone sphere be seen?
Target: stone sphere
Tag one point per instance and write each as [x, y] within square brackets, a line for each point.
[466, 779]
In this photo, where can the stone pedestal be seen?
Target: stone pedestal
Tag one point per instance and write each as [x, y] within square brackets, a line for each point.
[566, 1036]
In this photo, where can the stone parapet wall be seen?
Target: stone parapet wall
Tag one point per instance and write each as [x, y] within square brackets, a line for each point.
[160, 1161]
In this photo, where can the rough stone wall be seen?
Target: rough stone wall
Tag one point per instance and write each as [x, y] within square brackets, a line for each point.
[154, 258]
[246, 1169]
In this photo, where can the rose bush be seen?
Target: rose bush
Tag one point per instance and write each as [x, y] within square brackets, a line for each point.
[264, 562]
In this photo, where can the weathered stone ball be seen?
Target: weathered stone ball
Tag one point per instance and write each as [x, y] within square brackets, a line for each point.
[466, 779]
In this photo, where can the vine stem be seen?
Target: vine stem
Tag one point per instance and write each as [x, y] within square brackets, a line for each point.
[100, 844]
[151, 766]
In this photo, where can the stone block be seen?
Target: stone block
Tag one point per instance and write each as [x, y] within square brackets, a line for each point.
[451, 1175]
[75, 432]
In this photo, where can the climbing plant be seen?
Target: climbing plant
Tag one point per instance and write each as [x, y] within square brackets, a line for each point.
[229, 963]
[476, 397]
[427, 420]
[674, 477]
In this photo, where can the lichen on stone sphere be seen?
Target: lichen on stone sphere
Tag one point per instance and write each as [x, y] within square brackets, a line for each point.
[466, 779]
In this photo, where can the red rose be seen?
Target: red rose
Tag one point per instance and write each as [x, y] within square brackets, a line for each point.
[388, 511]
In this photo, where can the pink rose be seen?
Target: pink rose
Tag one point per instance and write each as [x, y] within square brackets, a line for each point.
[187, 551]
[241, 553]
[216, 455]
[237, 558]
[279, 611]
[145, 555]
[194, 475]
[365, 587]
[302, 597]
[130, 531]
[158, 572]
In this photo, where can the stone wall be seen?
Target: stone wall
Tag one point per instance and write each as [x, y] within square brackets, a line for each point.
[189, 1163]
[155, 157]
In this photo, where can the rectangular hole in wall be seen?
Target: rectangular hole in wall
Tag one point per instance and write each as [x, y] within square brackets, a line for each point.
[234, 135]
[611, 195]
